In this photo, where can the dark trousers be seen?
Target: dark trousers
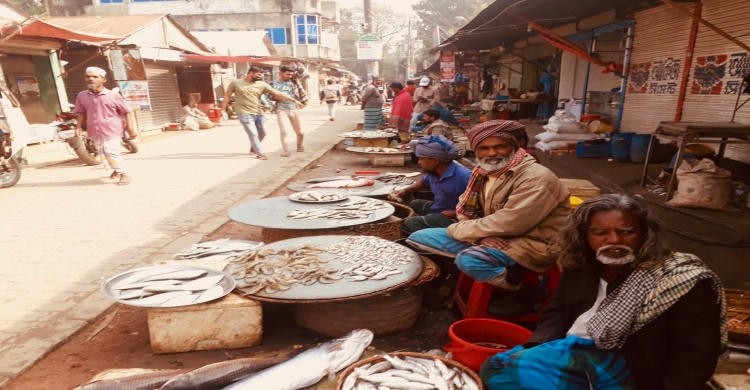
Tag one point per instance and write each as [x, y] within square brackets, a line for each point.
[424, 221]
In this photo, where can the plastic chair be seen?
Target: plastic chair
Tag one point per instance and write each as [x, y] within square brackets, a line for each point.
[472, 297]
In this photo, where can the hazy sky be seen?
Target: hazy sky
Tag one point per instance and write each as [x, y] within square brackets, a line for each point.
[401, 6]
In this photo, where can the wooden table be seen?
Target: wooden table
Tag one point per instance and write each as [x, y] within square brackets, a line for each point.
[683, 133]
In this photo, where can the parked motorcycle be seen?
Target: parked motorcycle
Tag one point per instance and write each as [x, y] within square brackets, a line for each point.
[352, 99]
[83, 146]
[10, 172]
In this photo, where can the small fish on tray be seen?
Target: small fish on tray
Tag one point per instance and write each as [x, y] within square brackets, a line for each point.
[411, 373]
[352, 210]
[349, 183]
[381, 150]
[317, 196]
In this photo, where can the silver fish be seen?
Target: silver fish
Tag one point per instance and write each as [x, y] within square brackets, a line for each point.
[195, 285]
[310, 366]
[141, 381]
[223, 373]
[180, 275]
[132, 286]
[158, 299]
[212, 293]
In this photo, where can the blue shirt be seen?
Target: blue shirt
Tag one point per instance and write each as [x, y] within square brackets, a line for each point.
[447, 188]
[288, 88]
[445, 115]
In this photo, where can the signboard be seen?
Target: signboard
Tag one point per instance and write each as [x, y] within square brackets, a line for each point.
[369, 47]
[447, 66]
[135, 94]
[127, 64]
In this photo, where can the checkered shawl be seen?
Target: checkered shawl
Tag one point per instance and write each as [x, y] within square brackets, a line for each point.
[647, 294]
[468, 204]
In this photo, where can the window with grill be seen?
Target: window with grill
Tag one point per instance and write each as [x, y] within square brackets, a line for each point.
[277, 35]
[308, 29]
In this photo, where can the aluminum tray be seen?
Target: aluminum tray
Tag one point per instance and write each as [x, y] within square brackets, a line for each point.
[133, 275]
[362, 149]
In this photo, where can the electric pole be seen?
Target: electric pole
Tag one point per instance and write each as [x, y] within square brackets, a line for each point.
[372, 66]
[409, 54]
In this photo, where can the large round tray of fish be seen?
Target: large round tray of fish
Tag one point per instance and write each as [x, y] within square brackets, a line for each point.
[377, 150]
[324, 267]
[167, 286]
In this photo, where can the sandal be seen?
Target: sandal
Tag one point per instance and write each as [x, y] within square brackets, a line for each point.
[114, 175]
[261, 157]
[124, 180]
[300, 148]
[285, 154]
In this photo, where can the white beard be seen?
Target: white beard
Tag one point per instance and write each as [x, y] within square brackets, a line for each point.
[491, 167]
[627, 258]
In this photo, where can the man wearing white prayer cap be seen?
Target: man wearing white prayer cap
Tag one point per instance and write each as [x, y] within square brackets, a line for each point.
[103, 111]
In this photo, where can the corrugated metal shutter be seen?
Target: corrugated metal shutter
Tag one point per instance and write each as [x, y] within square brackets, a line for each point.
[74, 80]
[712, 97]
[164, 95]
[661, 38]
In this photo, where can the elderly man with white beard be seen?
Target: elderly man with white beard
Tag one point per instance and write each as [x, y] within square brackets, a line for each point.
[627, 314]
[509, 214]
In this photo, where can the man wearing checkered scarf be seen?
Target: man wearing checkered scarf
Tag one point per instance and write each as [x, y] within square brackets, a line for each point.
[510, 212]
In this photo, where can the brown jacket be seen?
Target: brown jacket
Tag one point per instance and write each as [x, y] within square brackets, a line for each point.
[438, 127]
[527, 207]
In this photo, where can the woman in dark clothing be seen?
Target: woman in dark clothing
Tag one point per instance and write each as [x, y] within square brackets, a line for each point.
[627, 313]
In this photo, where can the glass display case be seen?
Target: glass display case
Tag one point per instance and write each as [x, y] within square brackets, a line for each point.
[606, 104]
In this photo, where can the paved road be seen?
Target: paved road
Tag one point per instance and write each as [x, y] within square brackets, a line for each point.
[66, 227]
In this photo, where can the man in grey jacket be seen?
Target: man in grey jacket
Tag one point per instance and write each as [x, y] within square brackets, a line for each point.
[372, 104]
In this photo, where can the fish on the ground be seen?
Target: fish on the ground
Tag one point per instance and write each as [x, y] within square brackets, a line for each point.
[350, 183]
[310, 366]
[223, 373]
[152, 380]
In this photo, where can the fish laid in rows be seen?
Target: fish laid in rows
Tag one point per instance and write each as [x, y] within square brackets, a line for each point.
[309, 367]
[369, 271]
[223, 373]
[152, 380]
[318, 196]
[308, 214]
[362, 249]
[381, 150]
[224, 247]
[362, 205]
[409, 373]
[351, 183]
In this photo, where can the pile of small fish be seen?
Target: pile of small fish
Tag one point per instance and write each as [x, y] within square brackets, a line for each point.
[348, 183]
[375, 134]
[352, 210]
[224, 247]
[271, 271]
[394, 179]
[409, 373]
[369, 271]
[381, 150]
[317, 196]
[168, 287]
[369, 249]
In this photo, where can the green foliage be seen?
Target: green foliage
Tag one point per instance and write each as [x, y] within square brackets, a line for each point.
[34, 7]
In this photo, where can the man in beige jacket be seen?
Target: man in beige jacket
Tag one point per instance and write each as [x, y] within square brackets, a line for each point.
[509, 214]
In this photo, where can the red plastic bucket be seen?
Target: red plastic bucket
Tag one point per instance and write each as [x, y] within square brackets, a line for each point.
[214, 114]
[473, 339]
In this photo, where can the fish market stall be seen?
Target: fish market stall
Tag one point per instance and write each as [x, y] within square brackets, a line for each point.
[383, 157]
[365, 138]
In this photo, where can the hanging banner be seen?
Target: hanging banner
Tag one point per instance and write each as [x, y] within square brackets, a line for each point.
[369, 47]
[135, 94]
[447, 66]
[127, 64]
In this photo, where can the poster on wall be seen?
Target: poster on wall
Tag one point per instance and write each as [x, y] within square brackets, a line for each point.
[369, 47]
[447, 66]
[127, 65]
[27, 86]
[719, 74]
[135, 94]
[656, 77]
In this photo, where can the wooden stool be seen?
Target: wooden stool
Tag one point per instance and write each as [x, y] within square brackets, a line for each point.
[473, 297]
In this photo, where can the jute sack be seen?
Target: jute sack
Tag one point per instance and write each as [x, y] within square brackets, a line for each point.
[702, 184]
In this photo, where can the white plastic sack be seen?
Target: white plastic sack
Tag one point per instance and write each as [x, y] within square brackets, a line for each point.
[545, 146]
[191, 124]
[549, 136]
[702, 184]
[564, 122]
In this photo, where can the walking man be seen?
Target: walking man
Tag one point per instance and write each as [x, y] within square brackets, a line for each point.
[401, 111]
[330, 94]
[247, 93]
[372, 104]
[287, 112]
[422, 98]
[102, 110]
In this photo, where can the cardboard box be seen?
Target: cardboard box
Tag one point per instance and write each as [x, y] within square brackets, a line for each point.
[231, 322]
[581, 188]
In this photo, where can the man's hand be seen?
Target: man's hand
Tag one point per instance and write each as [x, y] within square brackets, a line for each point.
[299, 104]
[78, 131]
[132, 134]
[495, 242]
[449, 214]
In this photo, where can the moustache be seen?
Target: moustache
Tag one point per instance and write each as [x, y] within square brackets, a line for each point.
[615, 254]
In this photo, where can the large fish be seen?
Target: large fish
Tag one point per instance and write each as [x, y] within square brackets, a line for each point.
[351, 183]
[152, 380]
[223, 373]
[309, 367]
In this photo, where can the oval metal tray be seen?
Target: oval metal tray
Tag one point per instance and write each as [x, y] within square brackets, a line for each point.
[134, 275]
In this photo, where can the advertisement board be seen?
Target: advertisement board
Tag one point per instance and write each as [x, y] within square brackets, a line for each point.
[447, 66]
[369, 47]
[136, 94]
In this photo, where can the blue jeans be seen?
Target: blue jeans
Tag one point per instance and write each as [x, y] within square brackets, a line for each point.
[479, 262]
[254, 127]
[414, 120]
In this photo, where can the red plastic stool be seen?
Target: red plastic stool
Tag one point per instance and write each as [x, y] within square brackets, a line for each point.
[473, 297]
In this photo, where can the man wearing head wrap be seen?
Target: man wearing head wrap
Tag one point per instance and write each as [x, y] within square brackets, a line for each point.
[508, 215]
[372, 104]
[445, 178]
[422, 98]
[103, 111]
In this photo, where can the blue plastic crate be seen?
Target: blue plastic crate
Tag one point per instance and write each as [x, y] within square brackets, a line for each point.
[584, 150]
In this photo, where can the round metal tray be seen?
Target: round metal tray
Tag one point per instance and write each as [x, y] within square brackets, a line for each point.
[377, 189]
[362, 149]
[227, 284]
[344, 288]
[272, 213]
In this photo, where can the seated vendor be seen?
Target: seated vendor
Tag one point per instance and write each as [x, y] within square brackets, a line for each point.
[627, 314]
[191, 111]
[435, 126]
[510, 212]
[445, 178]
[445, 115]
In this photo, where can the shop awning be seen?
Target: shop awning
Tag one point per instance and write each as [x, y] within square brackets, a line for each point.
[219, 58]
[43, 29]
